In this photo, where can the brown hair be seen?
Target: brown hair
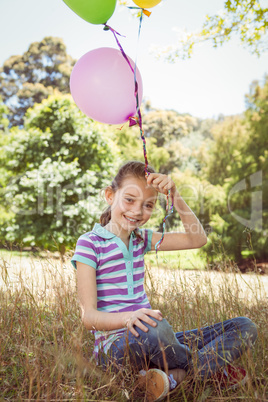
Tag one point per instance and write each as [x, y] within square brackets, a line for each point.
[132, 168]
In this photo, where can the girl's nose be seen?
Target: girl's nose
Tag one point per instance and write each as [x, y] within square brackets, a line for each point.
[137, 209]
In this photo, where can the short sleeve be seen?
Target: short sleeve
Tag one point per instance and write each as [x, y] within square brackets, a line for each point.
[85, 252]
[147, 236]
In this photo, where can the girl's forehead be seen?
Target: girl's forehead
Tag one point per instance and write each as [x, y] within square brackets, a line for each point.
[137, 187]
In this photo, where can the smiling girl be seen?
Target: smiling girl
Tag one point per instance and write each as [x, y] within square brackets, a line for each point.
[110, 282]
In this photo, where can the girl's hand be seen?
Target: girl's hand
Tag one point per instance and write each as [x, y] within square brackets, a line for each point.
[161, 182]
[135, 317]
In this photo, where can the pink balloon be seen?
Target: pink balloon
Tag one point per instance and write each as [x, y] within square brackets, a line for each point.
[102, 86]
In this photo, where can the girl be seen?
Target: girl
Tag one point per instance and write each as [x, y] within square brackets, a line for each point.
[110, 274]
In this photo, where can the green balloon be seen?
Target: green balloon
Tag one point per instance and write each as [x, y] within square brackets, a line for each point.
[93, 11]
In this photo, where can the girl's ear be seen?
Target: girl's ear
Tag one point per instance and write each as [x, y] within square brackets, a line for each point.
[109, 195]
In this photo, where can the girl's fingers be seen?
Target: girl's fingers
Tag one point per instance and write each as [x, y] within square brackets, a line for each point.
[151, 313]
[138, 324]
[163, 187]
[169, 185]
[156, 314]
[156, 180]
[151, 177]
[145, 317]
[133, 331]
[149, 321]
[160, 182]
[163, 183]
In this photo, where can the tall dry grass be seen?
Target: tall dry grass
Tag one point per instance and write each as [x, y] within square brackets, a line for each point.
[46, 353]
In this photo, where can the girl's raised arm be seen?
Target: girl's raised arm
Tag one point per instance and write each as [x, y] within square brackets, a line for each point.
[194, 235]
[101, 320]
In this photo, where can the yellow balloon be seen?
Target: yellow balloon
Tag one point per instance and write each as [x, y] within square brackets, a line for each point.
[146, 3]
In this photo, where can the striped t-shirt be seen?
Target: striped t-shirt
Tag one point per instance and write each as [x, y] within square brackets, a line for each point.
[119, 274]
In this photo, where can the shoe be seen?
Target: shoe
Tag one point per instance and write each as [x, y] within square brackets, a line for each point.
[231, 377]
[156, 384]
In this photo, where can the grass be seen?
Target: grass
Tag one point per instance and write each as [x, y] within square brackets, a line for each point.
[46, 354]
[184, 259]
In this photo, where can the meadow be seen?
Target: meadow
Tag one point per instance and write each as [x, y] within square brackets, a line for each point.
[46, 354]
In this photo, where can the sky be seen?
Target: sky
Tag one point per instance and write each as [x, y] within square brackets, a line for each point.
[212, 82]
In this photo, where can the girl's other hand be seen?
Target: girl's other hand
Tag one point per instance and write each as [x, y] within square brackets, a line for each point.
[162, 183]
[134, 318]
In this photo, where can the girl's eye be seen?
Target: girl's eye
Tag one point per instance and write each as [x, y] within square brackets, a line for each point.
[149, 206]
[129, 199]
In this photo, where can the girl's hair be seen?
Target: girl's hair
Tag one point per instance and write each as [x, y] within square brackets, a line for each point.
[132, 168]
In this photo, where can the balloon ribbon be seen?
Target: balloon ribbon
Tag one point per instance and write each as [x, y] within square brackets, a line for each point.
[133, 120]
[138, 120]
[169, 211]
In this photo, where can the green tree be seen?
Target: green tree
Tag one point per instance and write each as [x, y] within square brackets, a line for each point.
[254, 167]
[54, 170]
[29, 78]
[4, 122]
[169, 128]
[228, 136]
[257, 117]
[236, 160]
[206, 199]
[4, 214]
[130, 145]
[246, 18]
[164, 131]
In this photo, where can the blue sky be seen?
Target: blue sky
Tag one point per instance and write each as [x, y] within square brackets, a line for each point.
[212, 82]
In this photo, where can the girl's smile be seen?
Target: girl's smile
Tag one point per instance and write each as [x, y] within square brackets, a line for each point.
[131, 219]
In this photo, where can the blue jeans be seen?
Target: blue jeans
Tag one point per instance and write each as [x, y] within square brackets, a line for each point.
[206, 349]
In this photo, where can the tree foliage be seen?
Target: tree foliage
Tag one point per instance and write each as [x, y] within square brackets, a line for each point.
[53, 170]
[257, 117]
[29, 78]
[169, 128]
[225, 149]
[4, 122]
[246, 18]
[165, 133]
[237, 161]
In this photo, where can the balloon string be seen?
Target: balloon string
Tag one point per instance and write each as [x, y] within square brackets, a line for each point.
[135, 68]
[169, 211]
[138, 120]
[107, 28]
[138, 108]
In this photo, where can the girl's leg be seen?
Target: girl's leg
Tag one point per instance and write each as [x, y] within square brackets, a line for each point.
[158, 346]
[216, 346]
[219, 344]
[126, 350]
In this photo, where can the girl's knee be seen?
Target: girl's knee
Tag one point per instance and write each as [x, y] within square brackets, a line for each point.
[247, 328]
[162, 333]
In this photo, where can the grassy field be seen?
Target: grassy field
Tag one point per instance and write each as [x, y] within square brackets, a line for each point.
[46, 353]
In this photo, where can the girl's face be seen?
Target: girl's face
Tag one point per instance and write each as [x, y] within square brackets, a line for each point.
[132, 204]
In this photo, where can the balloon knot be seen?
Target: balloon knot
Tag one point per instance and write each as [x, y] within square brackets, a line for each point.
[132, 121]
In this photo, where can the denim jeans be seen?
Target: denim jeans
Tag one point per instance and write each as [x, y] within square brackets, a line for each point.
[205, 350]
